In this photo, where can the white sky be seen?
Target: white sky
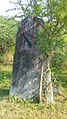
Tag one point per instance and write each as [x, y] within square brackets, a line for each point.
[5, 5]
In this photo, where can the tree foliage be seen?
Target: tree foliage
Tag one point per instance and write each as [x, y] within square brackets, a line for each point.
[7, 34]
[51, 38]
[54, 27]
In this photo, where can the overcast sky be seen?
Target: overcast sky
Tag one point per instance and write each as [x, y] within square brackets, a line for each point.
[5, 5]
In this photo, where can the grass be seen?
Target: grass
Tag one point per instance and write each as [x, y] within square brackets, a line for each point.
[14, 108]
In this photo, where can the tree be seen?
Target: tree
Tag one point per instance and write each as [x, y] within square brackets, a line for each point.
[7, 34]
[50, 37]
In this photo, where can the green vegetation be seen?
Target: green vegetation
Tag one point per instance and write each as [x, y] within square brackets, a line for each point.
[14, 108]
[52, 39]
[7, 37]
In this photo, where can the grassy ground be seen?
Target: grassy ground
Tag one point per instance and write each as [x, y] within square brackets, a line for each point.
[14, 108]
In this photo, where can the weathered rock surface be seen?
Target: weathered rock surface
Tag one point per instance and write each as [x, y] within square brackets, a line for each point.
[26, 65]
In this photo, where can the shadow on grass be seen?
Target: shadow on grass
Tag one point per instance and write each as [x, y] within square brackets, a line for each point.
[4, 92]
[5, 77]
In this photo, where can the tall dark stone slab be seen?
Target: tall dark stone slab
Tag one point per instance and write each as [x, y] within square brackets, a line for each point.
[26, 64]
